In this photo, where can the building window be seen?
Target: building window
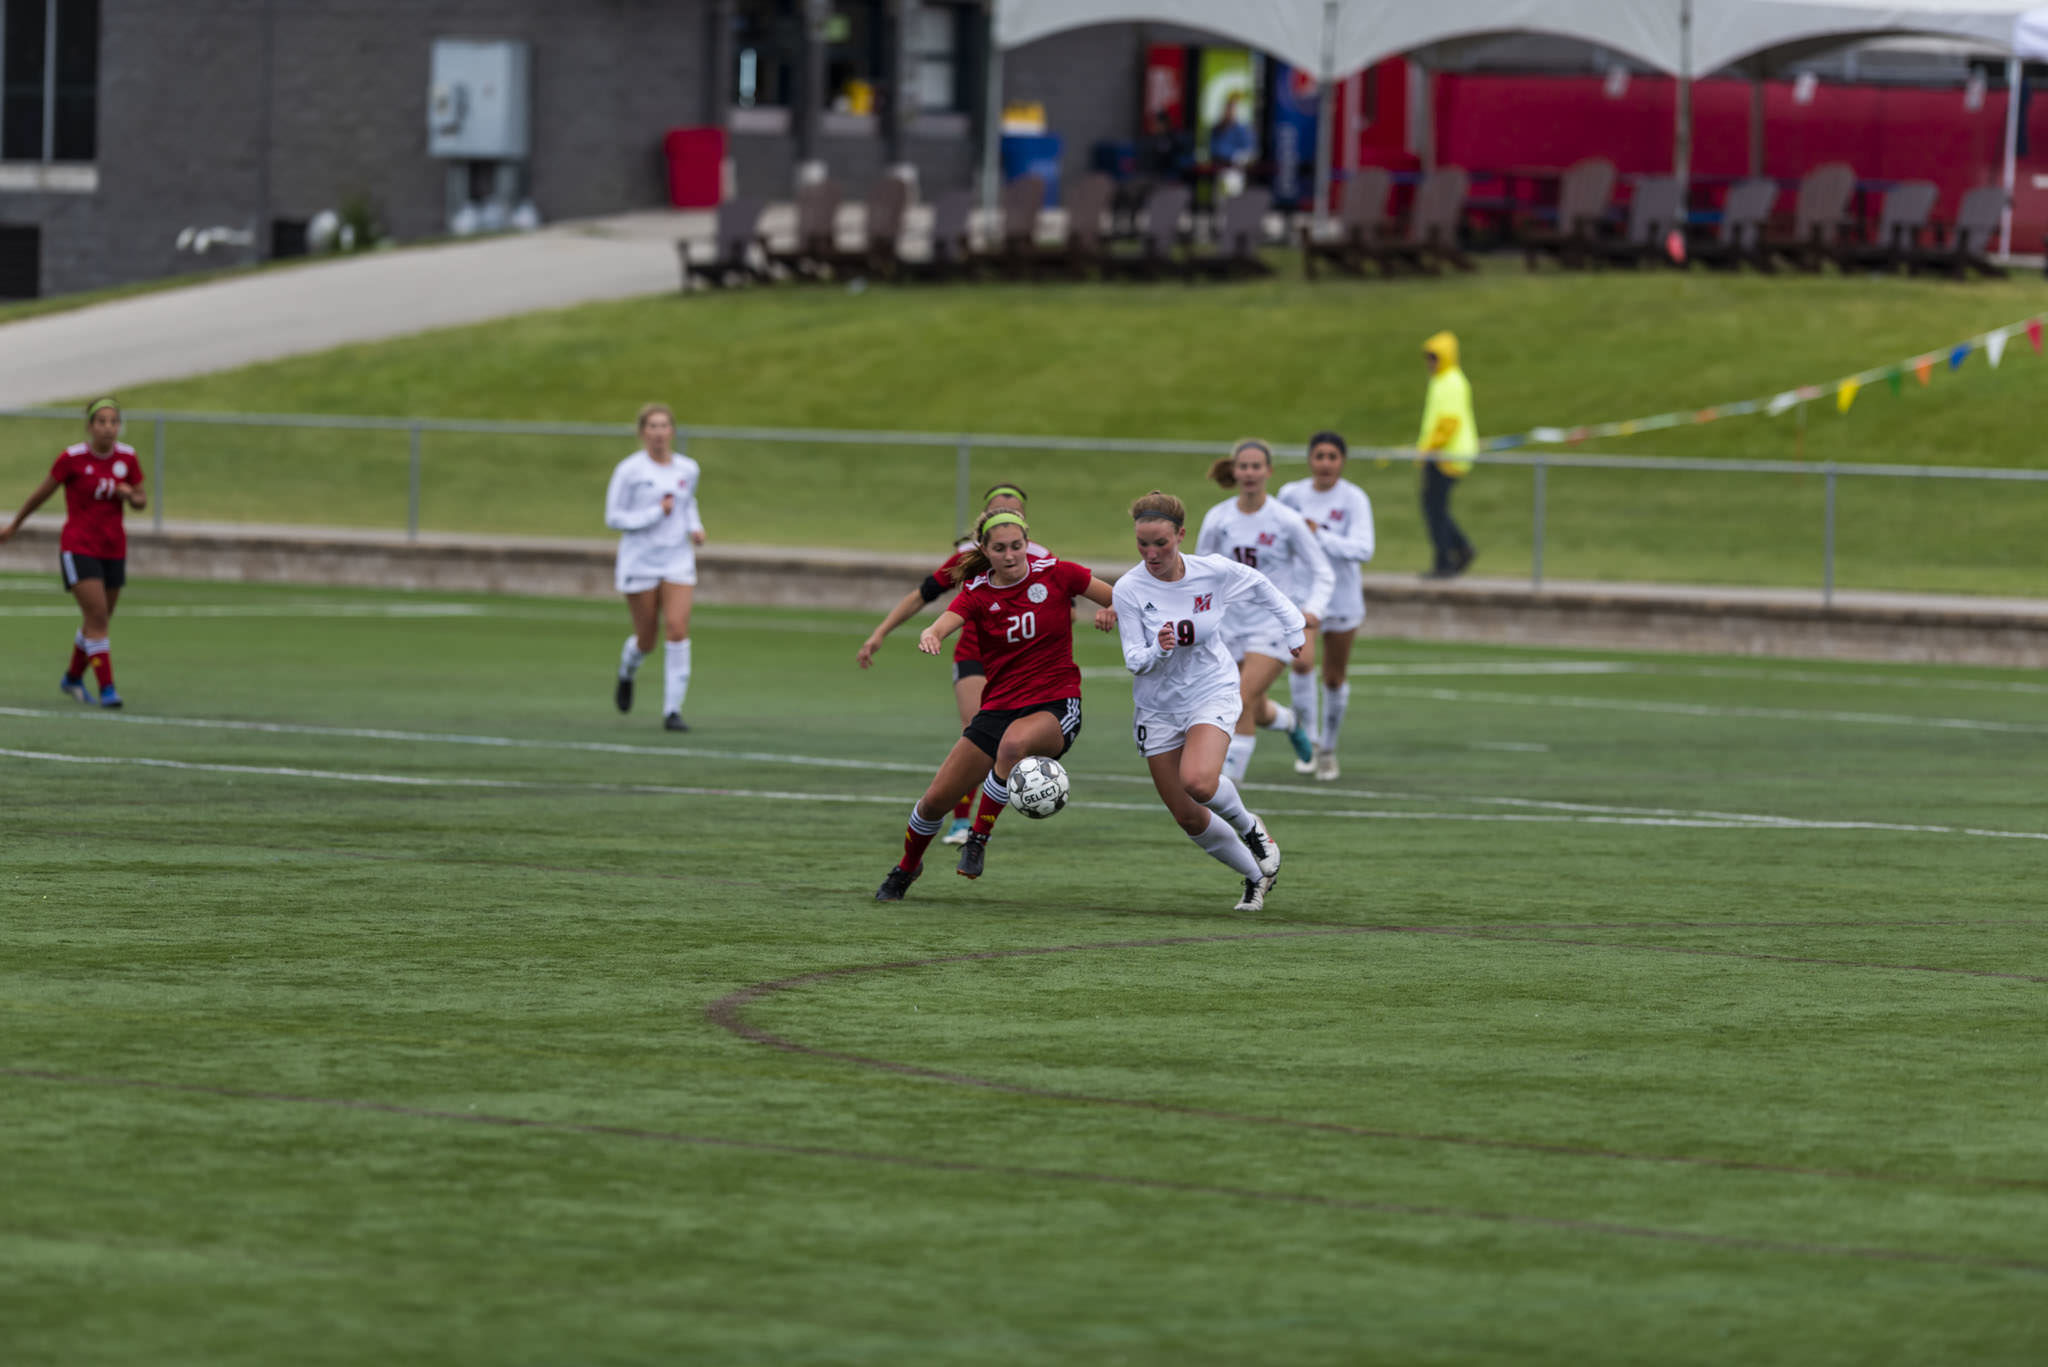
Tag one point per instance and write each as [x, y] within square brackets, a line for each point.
[936, 44]
[767, 53]
[854, 69]
[49, 80]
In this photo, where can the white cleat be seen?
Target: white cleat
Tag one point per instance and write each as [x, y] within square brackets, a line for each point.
[1264, 848]
[1326, 766]
[961, 829]
[1255, 890]
[1304, 766]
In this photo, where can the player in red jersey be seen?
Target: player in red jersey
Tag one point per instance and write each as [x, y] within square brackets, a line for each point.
[1023, 608]
[99, 476]
[968, 676]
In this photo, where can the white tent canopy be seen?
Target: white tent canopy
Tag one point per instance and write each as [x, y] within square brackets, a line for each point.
[1684, 37]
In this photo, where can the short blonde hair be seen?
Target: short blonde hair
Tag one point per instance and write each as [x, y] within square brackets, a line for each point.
[648, 410]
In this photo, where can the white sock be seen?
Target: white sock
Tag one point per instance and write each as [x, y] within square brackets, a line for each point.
[1335, 700]
[1239, 756]
[995, 790]
[1222, 842]
[1302, 688]
[1283, 718]
[1229, 805]
[676, 666]
[630, 658]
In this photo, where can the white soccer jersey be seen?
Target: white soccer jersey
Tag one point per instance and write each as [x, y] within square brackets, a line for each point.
[1199, 667]
[1344, 532]
[654, 545]
[1275, 542]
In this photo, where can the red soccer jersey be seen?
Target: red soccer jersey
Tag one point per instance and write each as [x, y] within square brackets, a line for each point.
[92, 510]
[1026, 631]
[967, 646]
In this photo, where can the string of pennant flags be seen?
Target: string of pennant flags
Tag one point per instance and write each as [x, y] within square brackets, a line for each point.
[1921, 367]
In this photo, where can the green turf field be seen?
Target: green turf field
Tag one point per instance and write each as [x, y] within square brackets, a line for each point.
[1277, 358]
[377, 994]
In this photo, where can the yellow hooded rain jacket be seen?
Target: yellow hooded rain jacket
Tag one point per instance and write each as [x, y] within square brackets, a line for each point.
[1448, 427]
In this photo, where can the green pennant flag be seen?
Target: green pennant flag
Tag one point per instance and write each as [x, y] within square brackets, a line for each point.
[1895, 377]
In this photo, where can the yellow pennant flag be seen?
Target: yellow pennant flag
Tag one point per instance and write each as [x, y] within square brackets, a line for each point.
[1846, 395]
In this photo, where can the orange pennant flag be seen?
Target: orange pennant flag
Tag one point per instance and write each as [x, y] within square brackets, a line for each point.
[1923, 369]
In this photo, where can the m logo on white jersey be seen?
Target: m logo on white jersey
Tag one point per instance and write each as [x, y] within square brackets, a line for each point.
[1204, 601]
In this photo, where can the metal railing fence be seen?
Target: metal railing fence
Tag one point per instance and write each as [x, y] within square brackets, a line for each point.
[965, 446]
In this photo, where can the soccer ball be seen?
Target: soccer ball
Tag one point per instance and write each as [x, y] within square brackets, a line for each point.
[1038, 786]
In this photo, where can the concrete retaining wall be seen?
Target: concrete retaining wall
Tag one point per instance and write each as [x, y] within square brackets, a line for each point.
[1903, 627]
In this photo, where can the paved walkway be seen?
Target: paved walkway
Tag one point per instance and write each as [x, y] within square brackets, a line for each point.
[266, 315]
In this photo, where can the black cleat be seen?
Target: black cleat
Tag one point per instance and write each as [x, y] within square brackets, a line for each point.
[623, 694]
[897, 883]
[971, 856]
[674, 722]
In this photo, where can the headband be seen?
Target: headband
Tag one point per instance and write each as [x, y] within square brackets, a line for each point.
[1154, 515]
[1002, 489]
[97, 405]
[994, 520]
[1251, 444]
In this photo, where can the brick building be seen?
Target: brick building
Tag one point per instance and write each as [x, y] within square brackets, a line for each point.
[124, 122]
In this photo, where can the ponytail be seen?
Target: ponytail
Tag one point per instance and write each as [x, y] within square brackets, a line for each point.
[1224, 471]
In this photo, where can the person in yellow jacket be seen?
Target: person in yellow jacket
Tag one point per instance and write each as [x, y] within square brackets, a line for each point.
[1450, 438]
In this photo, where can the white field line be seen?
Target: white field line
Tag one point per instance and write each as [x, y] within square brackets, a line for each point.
[1685, 709]
[1518, 747]
[92, 717]
[595, 613]
[778, 795]
[1541, 810]
[322, 608]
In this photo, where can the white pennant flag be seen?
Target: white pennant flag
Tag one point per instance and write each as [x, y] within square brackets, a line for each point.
[1994, 346]
[1783, 402]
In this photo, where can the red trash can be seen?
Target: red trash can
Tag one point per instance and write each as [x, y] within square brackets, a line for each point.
[696, 166]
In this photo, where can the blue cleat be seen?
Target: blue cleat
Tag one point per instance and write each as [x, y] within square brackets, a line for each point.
[74, 688]
[1304, 748]
[962, 828]
[109, 698]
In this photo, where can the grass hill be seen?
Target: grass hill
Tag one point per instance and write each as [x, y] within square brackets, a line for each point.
[1277, 358]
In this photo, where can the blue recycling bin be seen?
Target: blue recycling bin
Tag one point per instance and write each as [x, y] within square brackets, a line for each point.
[1038, 154]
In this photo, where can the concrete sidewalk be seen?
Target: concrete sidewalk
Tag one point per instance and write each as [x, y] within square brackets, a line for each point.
[263, 316]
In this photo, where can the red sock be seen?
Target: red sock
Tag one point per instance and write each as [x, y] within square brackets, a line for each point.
[78, 659]
[985, 815]
[963, 808]
[103, 668]
[915, 844]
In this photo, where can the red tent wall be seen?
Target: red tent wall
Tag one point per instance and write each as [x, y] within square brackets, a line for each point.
[1885, 132]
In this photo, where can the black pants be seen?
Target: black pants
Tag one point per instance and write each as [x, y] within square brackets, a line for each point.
[1452, 549]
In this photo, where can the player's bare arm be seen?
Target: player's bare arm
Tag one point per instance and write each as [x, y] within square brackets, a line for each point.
[935, 635]
[35, 500]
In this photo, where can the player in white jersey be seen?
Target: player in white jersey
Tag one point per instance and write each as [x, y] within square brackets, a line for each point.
[1264, 534]
[1340, 515]
[1184, 688]
[652, 502]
